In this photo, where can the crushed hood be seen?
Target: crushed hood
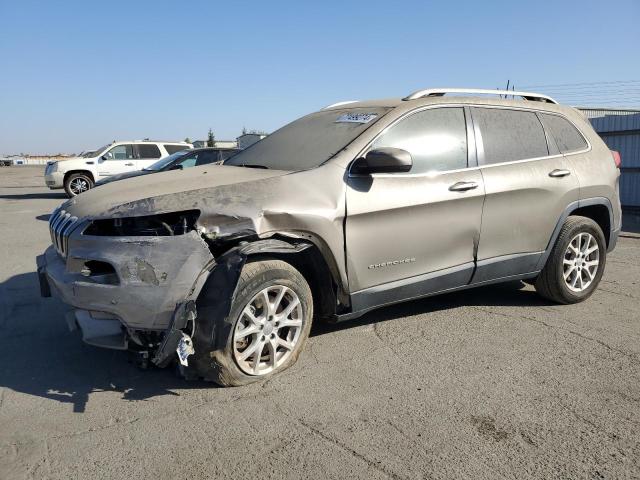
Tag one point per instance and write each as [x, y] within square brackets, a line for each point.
[207, 188]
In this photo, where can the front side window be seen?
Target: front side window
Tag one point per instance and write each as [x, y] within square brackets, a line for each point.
[436, 139]
[567, 137]
[148, 151]
[120, 152]
[510, 135]
[189, 160]
[206, 157]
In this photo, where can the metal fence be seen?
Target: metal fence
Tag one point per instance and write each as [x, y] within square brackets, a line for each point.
[620, 130]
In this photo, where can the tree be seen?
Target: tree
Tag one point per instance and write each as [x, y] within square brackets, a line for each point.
[211, 139]
[187, 140]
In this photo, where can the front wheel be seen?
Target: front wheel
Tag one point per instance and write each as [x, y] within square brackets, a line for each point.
[266, 329]
[76, 183]
[576, 263]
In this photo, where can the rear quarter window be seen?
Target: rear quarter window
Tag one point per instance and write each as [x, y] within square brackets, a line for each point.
[510, 135]
[175, 148]
[566, 135]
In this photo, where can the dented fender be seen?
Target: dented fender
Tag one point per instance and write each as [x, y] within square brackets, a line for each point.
[214, 298]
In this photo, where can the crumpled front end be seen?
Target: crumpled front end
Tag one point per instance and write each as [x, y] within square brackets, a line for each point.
[117, 286]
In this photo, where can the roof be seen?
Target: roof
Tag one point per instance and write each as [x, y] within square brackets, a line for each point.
[443, 100]
[464, 95]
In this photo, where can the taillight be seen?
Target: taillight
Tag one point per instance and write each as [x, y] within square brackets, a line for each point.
[616, 158]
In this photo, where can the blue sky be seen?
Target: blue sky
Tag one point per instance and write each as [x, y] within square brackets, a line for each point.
[78, 74]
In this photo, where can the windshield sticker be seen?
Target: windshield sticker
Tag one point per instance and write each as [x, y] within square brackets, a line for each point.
[356, 117]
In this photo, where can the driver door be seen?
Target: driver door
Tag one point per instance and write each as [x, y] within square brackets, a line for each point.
[118, 159]
[409, 234]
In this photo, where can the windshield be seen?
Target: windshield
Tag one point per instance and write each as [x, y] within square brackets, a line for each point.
[160, 164]
[95, 153]
[309, 141]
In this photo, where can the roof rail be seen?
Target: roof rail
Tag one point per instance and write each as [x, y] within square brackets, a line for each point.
[439, 92]
[338, 104]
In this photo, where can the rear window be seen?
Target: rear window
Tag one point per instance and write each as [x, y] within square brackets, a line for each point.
[567, 137]
[175, 148]
[148, 151]
[510, 135]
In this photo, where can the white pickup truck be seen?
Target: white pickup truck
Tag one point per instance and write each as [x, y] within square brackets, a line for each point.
[79, 174]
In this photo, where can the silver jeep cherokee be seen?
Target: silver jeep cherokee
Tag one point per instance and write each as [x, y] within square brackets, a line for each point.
[356, 206]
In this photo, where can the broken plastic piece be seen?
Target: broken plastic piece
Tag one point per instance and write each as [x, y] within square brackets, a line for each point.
[185, 348]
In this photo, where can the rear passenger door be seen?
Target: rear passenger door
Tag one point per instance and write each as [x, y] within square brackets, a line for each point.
[147, 154]
[528, 185]
[408, 234]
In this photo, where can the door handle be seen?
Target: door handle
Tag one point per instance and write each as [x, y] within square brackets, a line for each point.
[463, 186]
[559, 172]
[128, 164]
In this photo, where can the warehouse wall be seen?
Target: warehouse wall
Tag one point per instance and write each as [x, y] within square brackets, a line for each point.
[620, 130]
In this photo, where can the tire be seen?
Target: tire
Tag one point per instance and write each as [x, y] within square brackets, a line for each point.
[222, 363]
[584, 233]
[75, 183]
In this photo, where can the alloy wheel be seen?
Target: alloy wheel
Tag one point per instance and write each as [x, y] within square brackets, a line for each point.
[78, 185]
[580, 262]
[268, 330]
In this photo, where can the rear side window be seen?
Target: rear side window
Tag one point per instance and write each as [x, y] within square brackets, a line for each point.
[171, 149]
[510, 135]
[567, 137]
[147, 151]
[436, 139]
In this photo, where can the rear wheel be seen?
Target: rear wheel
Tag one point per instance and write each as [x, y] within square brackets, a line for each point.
[76, 183]
[576, 263]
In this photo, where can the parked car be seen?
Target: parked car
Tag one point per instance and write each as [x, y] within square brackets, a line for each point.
[353, 207]
[77, 175]
[177, 161]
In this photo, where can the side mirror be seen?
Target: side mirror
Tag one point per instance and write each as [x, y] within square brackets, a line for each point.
[383, 160]
[176, 167]
[104, 157]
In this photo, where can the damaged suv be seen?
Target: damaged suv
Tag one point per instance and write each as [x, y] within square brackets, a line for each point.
[353, 207]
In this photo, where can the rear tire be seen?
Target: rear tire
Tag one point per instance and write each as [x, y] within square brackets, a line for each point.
[76, 183]
[576, 263]
[277, 336]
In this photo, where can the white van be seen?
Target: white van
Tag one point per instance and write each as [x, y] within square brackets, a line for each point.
[79, 174]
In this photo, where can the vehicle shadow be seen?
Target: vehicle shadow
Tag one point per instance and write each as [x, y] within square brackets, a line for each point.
[44, 218]
[502, 294]
[34, 196]
[631, 222]
[40, 357]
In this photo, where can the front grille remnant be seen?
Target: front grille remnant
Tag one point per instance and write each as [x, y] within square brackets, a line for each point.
[61, 224]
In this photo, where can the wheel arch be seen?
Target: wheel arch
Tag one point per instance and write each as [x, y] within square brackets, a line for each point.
[86, 172]
[598, 209]
[306, 252]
